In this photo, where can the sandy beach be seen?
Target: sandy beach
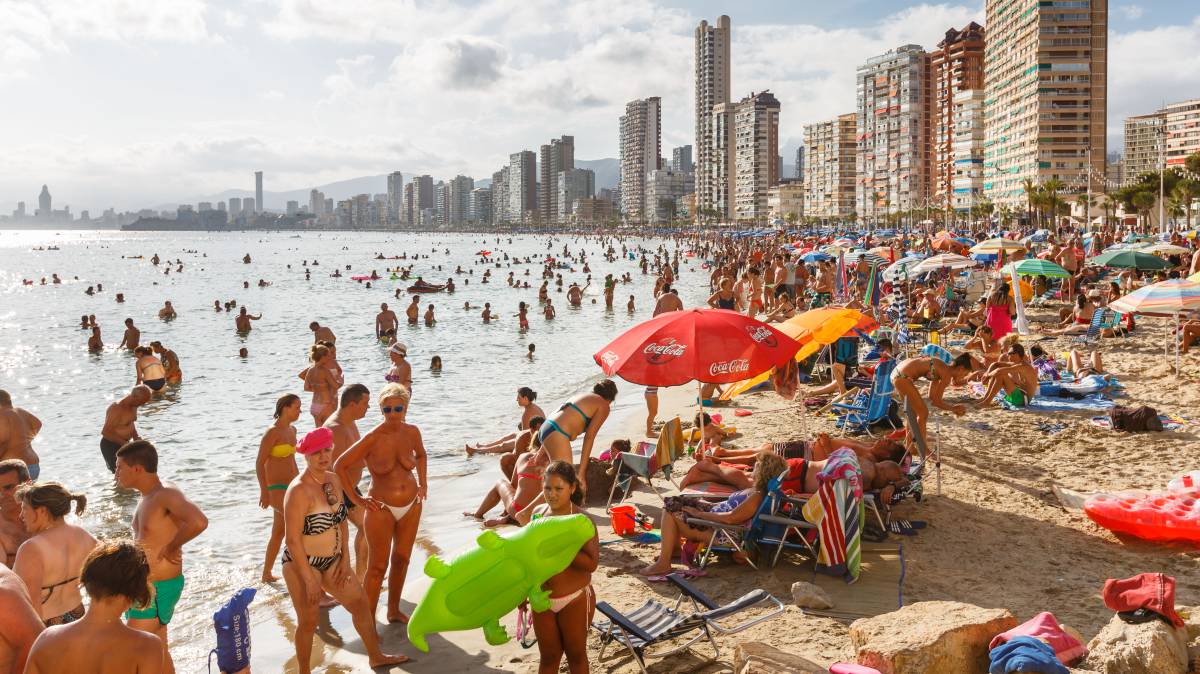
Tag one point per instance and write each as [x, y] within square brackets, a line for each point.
[997, 534]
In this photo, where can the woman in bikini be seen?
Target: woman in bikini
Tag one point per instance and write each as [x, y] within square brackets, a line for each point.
[585, 415]
[317, 554]
[49, 561]
[401, 371]
[150, 370]
[391, 451]
[940, 375]
[276, 468]
[563, 629]
[320, 378]
[515, 493]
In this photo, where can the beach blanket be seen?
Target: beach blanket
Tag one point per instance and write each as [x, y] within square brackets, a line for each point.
[836, 510]
[1091, 403]
[1169, 422]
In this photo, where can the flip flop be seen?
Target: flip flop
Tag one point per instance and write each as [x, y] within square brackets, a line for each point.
[906, 527]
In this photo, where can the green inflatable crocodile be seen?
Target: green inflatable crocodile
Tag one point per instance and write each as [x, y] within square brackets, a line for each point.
[485, 584]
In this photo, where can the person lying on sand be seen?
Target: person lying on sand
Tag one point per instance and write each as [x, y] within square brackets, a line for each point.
[820, 448]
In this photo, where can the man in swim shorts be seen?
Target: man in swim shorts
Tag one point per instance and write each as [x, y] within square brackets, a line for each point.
[322, 333]
[386, 324]
[119, 423]
[165, 520]
[18, 428]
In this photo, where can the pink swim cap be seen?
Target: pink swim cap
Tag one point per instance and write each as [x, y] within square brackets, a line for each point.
[316, 440]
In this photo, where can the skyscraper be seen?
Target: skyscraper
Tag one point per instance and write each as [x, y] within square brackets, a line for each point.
[829, 172]
[258, 195]
[554, 158]
[235, 207]
[395, 195]
[423, 196]
[44, 209]
[480, 210]
[712, 89]
[756, 154]
[957, 66]
[406, 211]
[681, 159]
[522, 185]
[572, 186]
[316, 202]
[799, 167]
[641, 144]
[500, 196]
[893, 163]
[460, 199]
[1046, 77]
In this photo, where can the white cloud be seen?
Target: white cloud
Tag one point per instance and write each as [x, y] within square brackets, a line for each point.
[1132, 12]
[233, 19]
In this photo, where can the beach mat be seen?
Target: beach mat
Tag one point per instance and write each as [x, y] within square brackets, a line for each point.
[1170, 423]
[709, 490]
[1092, 403]
[879, 589]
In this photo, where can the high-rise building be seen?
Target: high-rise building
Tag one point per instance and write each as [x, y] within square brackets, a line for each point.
[830, 148]
[1182, 124]
[1046, 76]
[293, 207]
[955, 66]
[423, 196]
[556, 157]
[756, 154]
[480, 206]
[460, 199]
[1164, 137]
[786, 201]
[893, 120]
[235, 207]
[641, 144]
[664, 194]
[500, 196]
[719, 199]
[573, 185]
[712, 89]
[395, 195]
[258, 194]
[220, 207]
[441, 203]
[798, 170]
[522, 185]
[681, 159]
[249, 206]
[316, 202]
[204, 206]
[967, 150]
[44, 209]
[406, 210]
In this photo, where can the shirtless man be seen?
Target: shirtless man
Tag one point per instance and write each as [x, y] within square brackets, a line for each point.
[242, 321]
[353, 406]
[321, 333]
[167, 312]
[18, 428]
[132, 336]
[13, 474]
[19, 623]
[574, 295]
[1012, 375]
[386, 324]
[95, 343]
[516, 492]
[487, 312]
[170, 362]
[414, 310]
[391, 451]
[165, 520]
[119, 421]
[667, 301]
[802, 475]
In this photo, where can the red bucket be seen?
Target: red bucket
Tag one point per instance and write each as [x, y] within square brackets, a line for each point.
[624, 519]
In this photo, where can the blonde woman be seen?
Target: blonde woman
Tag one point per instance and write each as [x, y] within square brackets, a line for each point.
[49, 561]
[321, 379]
[276, 468]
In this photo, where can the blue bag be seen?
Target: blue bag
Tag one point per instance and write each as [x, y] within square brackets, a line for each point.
[232, 622]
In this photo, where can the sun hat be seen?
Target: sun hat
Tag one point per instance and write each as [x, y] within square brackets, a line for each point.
[399, 348]
[315, 441]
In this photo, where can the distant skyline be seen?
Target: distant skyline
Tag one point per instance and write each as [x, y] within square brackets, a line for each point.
[133, 103]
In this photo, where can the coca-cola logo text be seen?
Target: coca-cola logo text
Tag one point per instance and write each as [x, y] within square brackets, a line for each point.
[763, 335]
[667, 351]
[738, 366]
[608, 358]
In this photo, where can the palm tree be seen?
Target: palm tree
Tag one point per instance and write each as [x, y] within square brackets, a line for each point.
[1051, 188]
[1031, 196]
[1184, 194]
[1142, 201]
[1110, 209]
[1087, 205]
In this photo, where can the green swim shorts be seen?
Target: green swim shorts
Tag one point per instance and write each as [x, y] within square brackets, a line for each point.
[166, 596]
[1016, 398]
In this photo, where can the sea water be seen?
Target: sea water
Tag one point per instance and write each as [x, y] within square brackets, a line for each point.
[208, 429]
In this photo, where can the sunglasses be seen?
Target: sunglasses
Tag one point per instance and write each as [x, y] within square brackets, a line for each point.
[388, 410]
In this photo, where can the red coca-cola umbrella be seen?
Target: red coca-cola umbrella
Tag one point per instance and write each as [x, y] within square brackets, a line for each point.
[714, 346]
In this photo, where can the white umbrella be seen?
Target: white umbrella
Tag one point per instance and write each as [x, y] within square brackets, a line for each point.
[901, 268]
[1165, 249]
[944, 261]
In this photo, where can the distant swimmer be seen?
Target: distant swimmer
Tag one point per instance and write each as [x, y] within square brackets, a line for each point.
[386, 324]
[243, 320]
[429, 317]
[132, 336]
[170, 362]
[119, 422]
[167, 312]
[487, 312]
[150, 370]
[217, 305]
[18, 428]
[414, 310]
[95, 343]
[246, 259]
[321, 333]
[574, 295]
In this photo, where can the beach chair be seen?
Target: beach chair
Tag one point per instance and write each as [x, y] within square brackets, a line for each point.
[914, 471]
[785, 530]
[647, 459]
[655, 623]
[1112, 321]
[1093, 332]
[733, 537]
[871, 406]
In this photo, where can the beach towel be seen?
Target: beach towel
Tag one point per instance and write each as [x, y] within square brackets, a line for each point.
[1044, 627]
[1093, 403]
[1169, 423]
[1025, 654]
[836, 510]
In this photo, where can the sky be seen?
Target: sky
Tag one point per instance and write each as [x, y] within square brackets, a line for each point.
[132, 103]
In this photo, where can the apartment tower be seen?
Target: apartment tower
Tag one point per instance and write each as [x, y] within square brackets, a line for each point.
[641, 146]
[554, 158]
[830, 148]
[1166, 136]
[258, 192]
[712, 89]
[756, 164]
[1046, 77]
[893, 119]
[522, 185]
[957, 66]
[395, 195]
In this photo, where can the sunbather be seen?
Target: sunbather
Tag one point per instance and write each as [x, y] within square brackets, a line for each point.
[1077, 321]
[1014, 376]
[817, 449]
[711, 435]
[801, 477]
[1190, 332]
[968, 319]
[985, 343]
[1075, 364]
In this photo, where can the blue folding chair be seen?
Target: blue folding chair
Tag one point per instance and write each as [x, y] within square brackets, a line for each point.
[734, 537]
[1093, 332]
[871, 406]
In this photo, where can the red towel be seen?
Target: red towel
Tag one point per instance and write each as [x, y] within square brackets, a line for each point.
[1151, 591]
[1044, 626]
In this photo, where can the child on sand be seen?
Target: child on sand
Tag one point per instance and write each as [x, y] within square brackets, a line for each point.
[563, 629]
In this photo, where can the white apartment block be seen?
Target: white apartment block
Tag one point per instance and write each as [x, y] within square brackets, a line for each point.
[829, 175]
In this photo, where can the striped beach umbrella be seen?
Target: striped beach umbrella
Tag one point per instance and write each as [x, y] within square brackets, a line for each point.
[944, 261]
[997, 246]
[1036, 267]
[1166, 297]
[872, 259]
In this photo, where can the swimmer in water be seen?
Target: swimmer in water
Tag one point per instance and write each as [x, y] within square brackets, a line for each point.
[401, 372]
[321, 380]
[413, 310]
[150, 370]
[429, 318]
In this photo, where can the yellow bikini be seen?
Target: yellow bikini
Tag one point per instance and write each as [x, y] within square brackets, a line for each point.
[283, 451]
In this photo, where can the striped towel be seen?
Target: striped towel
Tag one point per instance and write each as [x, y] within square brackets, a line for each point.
[837, 512]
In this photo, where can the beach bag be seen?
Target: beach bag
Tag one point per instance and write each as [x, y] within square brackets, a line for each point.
[1135, 419]
[232, 622]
